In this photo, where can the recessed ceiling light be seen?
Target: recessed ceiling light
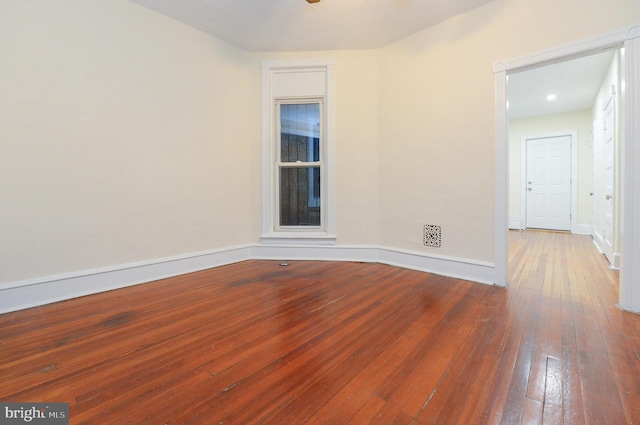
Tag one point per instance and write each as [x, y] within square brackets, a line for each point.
[551, 97]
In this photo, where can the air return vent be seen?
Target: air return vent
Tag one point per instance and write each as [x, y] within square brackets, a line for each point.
[432, 235]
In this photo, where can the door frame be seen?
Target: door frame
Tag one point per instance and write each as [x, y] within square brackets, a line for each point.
[629, 39]
[573, 211]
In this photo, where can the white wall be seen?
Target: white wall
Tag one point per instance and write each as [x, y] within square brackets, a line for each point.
[437, 120]
[123, 138]
[578, 121]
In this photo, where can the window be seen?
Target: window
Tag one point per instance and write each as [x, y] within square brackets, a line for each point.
[297, 152]
[300, 165]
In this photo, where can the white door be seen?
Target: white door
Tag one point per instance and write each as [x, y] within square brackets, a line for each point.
[548, 183]
[609, 179]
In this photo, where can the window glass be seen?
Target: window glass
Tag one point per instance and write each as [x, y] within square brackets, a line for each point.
[300, 196]
[300, 166]
[300, 132]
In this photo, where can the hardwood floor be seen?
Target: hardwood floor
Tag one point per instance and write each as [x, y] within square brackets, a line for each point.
[340, 343]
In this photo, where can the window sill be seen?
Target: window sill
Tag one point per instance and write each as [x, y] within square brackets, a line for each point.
[296, 238]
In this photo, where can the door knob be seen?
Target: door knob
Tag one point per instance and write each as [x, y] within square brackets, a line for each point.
[529, 189]
[607, 197]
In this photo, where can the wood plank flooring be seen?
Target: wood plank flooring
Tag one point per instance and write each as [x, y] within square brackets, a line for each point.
[340, 343]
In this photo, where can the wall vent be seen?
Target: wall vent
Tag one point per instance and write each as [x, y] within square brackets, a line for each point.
[432, 235]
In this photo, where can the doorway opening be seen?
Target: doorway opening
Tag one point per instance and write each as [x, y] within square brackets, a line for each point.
[627, 43]
[560, 178]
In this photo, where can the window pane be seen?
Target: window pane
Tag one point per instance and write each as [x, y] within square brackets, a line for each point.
[300, 132]
[300, 196]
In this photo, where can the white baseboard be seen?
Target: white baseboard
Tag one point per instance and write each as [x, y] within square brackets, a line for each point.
[459, 268]
[515, 224]
[616, 261]
[367, 254]
[582, 229]
[598, 241]
[35, 292]
[579, 229]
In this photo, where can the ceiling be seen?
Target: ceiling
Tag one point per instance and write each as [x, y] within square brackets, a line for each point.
[575, 83]
[295, 25]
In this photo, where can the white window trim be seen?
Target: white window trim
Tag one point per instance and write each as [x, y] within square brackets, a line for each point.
[270, 232]
[321, 164]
